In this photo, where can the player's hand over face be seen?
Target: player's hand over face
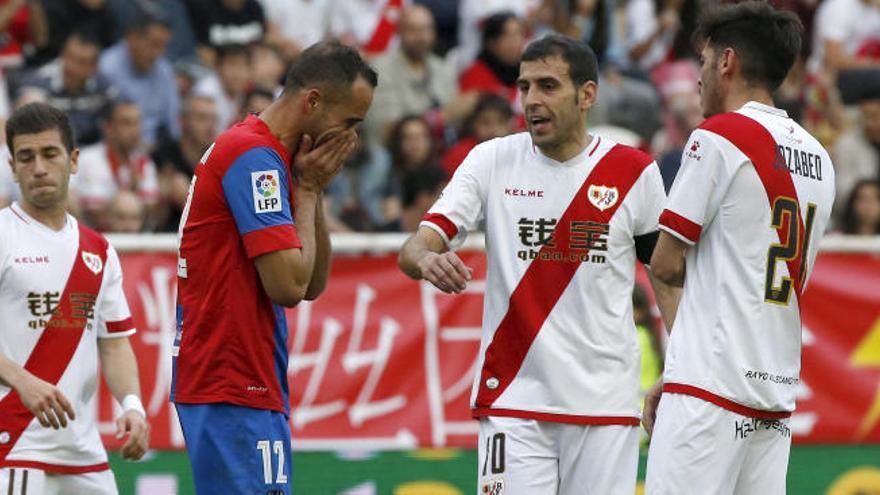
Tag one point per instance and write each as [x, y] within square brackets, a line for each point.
[446, 271]
[315, 166]
[135, 425]
[652, 399]
[45, 401]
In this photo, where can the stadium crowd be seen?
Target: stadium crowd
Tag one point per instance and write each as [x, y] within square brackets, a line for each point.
[149, 84]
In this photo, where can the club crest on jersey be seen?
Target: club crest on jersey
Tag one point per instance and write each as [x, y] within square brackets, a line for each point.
[493, 486]
[93, 262]
[267, 191]
[602, 197]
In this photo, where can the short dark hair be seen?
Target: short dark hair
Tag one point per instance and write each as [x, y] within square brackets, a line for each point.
[423, 179]
[581, 60]
[767, 41]
[35, 118]
[84, 37]
[493, 26]
[108, 111]
[328, 64]
[232, 50]
[147, 18]
[488, 102]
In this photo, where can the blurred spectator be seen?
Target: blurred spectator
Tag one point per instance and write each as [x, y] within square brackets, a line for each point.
[659, 31]
[492, 117]
[267, 67]
[255, 101]
[685, 115]
[593, 22]
[176, 160]
[227, 86]
[412, 147]
[118, 163]
[421, 188]
[445, 14]
[189, 71]
[412, 80]
[183, 43]
[94, 18]
[497, 66]
[354, 200]
[136, 67]
[862, 213]
[370, 25]
[294, 25]
[856, 154]
[23, 28]
[125, 214]
[847, 44]
[217, 23]
[72, 83]
[473, 16]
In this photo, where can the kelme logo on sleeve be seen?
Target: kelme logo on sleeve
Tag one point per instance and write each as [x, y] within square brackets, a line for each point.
[267, 191]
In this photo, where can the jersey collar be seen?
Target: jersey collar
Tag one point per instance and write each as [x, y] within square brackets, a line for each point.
[760, 107]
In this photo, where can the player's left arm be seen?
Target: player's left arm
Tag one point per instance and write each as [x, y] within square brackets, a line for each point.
[321, 270]
[119, 366]
[118, 362]
[668, 261]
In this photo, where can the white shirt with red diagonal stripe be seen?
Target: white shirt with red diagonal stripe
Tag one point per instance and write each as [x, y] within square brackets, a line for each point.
[583, 364]
[35, 262]
[733, 343]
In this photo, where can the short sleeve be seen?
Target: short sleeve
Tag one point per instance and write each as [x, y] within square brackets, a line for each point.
[694, 198]
[652, 199]
[257, 191]
[113, 316]
[460, 206]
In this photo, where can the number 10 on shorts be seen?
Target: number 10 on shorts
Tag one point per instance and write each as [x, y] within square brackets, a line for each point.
[266, 448]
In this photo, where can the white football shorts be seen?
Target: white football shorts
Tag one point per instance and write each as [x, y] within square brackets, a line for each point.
[698, 448]
[530, 457]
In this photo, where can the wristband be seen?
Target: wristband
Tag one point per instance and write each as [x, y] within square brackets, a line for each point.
[132, 402]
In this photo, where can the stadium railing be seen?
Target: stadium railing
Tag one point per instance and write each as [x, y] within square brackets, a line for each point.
[356, 243]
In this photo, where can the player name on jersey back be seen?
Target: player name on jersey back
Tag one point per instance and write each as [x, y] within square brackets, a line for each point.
[753, 195]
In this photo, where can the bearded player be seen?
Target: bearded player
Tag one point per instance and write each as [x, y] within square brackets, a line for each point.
[740, 233]
[567, 216]
[63, 312]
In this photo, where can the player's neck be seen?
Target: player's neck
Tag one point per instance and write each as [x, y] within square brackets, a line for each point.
[744, 94]
[569, 148]
[54, 217]
[282, 120]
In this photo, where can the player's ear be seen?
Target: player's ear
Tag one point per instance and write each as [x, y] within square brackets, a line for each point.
[12, 166]
[312, 100]
[74, 161]
[587, 94]
[727, 60]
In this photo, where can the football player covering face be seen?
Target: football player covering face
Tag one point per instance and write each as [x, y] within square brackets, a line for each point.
[555, 108]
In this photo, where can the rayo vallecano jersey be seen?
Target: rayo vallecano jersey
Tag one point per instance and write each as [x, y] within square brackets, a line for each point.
[753, 194]
[59, 293]
[559, 343]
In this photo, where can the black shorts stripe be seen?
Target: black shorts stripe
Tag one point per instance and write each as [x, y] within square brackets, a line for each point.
[24, 478]
[11, 481]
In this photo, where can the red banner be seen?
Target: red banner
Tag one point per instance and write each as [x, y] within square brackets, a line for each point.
[381, 361]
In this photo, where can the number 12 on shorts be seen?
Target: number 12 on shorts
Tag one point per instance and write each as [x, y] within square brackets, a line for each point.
[266, 448]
